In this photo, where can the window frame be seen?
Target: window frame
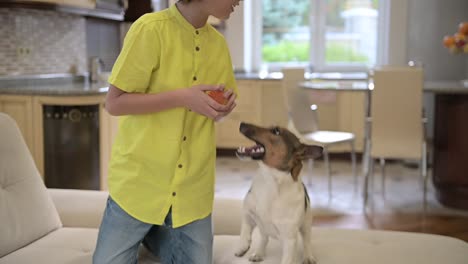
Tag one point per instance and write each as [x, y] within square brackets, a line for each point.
[316, 62]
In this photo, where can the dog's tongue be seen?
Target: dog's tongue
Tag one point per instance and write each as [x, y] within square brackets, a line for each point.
[253, 151]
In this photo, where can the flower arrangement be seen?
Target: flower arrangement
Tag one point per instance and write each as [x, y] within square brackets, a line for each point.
[458, 42]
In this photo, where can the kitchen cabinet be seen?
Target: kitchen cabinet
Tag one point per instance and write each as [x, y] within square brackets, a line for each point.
[20, 109]
[47, 1]
[346, 114]
[90, 4]
[102, 9]
[262, 102]
[248, 109]
[27, 111]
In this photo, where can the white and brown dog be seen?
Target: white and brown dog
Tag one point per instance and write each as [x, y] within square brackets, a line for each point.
[277, 202]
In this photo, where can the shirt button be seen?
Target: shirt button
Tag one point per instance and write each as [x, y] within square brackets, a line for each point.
[194, 78]
[196, 32]
[180, 166]
[197, 48]
[174, 194]
[185, 138]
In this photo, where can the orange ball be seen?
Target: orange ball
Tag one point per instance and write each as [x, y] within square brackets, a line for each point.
[218, 96]
[463, 28]
[449, 41]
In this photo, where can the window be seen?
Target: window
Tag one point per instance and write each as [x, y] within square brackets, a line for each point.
[328, 35]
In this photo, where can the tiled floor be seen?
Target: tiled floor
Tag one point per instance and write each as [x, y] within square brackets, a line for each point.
[403, 188]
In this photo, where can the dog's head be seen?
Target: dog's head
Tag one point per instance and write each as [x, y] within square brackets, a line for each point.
[277, 147]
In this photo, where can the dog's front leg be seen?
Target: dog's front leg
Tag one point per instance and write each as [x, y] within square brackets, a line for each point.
[259, 254]
[289, 250]
[245, 236]
[306, 238]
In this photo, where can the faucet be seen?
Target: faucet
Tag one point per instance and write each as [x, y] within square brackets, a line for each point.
[96, 65]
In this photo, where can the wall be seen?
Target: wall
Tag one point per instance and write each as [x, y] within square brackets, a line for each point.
[428, 22]
[103, 41]
[38, 41]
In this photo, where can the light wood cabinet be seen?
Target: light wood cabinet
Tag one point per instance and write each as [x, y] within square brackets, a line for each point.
[274, 111]
[47, 1]
[20, 109]
[90, 4]
[262, 102]
[248, 109]
[28, 111]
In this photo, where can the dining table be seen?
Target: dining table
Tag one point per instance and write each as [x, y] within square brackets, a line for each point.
[450, 142]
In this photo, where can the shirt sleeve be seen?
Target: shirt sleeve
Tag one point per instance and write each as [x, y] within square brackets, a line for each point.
[137, 60]
[230, 78]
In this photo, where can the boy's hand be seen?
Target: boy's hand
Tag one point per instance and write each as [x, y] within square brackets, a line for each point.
[199, 101]
[231, 103]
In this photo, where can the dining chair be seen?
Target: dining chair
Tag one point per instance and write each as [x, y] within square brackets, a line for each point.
[397, 123]
[303, 121]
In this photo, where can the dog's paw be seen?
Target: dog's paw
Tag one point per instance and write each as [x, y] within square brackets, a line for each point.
[256, 258]
[309, 260]
[241, 251]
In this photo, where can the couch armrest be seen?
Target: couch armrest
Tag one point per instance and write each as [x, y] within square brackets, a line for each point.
[79, 208]
[227, 216]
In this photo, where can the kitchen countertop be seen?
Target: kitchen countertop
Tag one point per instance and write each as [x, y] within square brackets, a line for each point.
[356, 76]
[51, 85]
[70, 89]
[446, 87]
[79, 85]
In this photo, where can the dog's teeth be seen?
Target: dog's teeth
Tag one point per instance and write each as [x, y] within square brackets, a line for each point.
[262, 149]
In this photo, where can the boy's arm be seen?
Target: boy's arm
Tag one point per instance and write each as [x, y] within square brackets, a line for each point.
[119, 102]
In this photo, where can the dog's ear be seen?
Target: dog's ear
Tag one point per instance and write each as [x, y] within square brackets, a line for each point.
[296, 169]
[304, 152]
[310, 152]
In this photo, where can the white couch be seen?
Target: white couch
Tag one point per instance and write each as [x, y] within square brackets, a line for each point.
[39, 225]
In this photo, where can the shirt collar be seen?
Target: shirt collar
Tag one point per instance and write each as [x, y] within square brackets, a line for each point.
[176, 13]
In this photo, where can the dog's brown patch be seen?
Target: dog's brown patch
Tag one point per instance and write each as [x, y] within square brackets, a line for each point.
[283, 150]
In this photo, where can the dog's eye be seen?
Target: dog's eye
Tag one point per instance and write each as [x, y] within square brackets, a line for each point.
[275, 131]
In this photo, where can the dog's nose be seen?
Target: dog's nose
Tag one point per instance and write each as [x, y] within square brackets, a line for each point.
[242, 126]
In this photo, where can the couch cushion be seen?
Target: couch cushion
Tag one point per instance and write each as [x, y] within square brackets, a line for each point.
[26, 210]
[334, 246]
[64, 246]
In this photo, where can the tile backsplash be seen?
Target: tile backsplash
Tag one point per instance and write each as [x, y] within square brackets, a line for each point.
[41, 42]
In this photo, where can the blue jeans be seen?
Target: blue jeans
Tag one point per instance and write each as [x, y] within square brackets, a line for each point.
[120, 236]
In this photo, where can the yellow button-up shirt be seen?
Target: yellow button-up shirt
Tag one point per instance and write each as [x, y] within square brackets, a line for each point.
[167, 159]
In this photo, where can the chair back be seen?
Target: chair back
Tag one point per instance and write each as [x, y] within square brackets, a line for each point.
[297, 102]
[396, 112]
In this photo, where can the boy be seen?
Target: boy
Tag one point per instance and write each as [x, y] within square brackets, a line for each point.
[161, 173]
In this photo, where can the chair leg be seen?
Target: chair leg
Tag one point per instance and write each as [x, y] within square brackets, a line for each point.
[368, 182]
[353, 164]
[311, 168]
[371, 182]
[365, 186]
[327, 165]
[382, 167]
[424, 176]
